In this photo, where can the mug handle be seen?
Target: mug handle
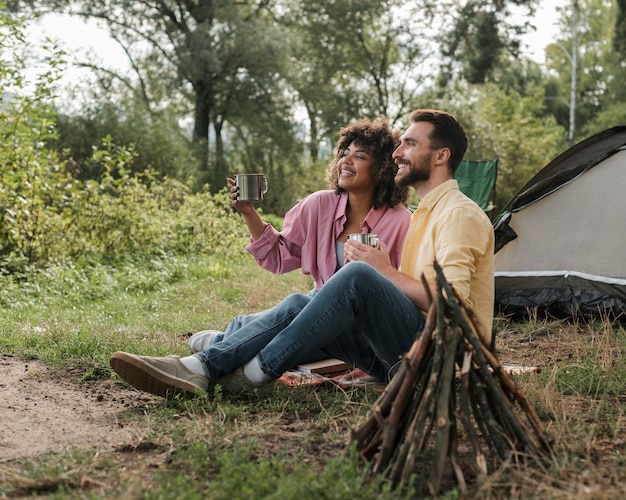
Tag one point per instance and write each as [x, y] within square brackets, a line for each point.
[264, 189]
[377, 243]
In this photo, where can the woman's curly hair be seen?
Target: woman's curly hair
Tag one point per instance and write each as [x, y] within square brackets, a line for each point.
[379, 140]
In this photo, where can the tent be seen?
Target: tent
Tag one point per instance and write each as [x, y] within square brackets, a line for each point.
[561, 240]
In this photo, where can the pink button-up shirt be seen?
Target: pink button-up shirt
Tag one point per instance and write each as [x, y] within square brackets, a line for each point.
[311, 228]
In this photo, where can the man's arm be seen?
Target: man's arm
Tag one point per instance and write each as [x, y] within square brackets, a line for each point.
[379, 259]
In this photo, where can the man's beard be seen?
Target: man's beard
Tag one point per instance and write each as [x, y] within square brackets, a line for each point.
[419, 173]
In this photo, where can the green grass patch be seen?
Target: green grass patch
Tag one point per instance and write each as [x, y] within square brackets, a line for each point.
[293, 444]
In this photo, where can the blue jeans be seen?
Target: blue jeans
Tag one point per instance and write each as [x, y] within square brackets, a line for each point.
[246, 334]
[358, 316]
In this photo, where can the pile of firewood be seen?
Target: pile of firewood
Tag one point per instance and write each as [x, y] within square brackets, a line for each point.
[450, 407]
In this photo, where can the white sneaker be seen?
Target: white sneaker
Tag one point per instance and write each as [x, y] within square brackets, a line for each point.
[200, 341]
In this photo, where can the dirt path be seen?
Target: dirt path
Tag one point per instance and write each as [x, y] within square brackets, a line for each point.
[40, 413]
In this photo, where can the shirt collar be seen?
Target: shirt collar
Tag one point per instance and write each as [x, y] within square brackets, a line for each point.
[434, 195]
[371, 219]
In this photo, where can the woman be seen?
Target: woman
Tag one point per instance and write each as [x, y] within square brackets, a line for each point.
[363, 198]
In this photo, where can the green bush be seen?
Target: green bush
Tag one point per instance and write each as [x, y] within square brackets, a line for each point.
[48, 216]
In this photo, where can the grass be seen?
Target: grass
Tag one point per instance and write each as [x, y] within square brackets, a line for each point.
[292, 445]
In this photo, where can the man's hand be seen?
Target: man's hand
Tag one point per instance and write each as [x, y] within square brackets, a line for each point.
[379, 259]
[375, 257]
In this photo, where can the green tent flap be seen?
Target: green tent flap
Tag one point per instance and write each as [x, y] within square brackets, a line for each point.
[477, 179]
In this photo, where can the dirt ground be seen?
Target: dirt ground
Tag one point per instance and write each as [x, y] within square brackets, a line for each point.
[41, 412]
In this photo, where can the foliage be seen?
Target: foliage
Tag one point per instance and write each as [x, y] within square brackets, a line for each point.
[32, 183]
[265, 64]
[371, 66]
[610, 117]
[159, 143]
[587, 38]
[50, 216]
[508, 126]
[126, 214]
[619, 40]
[481, 36]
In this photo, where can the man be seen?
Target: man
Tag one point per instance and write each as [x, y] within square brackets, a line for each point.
[369, 313]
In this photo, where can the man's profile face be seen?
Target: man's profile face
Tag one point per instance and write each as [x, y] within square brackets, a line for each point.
[414, 155]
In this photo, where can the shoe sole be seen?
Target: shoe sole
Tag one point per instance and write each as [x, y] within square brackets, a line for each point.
[145, 377]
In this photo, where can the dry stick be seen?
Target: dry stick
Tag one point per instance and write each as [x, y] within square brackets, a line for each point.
[415, 436]
[464, 411]
[416, 353]
[368, 445]
[391, 427]
[369, 435]
[429, 295]
[405, 387]
[397, 409]
[417, 428]
[402, 455]
[493, 427]
[417, 439]
[454, 432]
[443, 413]
[511, 427]
[380, 410]
[481, 422]
[479, 351]
[454, 461]
[503, 402]
[510, 384]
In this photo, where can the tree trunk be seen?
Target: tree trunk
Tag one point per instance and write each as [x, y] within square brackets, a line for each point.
[201, 123]
[220, 172]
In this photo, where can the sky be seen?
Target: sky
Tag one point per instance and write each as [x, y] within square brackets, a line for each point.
[78, 38]
[545, 20]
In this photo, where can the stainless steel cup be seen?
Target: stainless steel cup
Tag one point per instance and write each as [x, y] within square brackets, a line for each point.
[370, 239]
[252, 187]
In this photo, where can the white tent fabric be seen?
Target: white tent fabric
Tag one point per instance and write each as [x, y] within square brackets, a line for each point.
[563, 250]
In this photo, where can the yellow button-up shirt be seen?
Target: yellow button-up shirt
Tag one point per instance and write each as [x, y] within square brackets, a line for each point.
[451, 229]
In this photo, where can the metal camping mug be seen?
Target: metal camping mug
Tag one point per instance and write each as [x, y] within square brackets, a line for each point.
[369, 239]
[252, 187]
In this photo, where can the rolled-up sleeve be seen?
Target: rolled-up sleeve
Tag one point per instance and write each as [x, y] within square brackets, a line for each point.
[280, 252]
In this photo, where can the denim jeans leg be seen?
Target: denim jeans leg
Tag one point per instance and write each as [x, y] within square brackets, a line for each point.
[356, 299]
[242, 320]
[240, 345]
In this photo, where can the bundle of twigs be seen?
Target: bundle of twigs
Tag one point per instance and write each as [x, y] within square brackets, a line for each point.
[450, 386]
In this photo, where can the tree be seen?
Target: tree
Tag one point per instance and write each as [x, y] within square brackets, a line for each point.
[159, 142]
[198, 50]
[619, 40]
[506, 125]
[482, 36]
[33, 183]
[589, 73]
[355, 58]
